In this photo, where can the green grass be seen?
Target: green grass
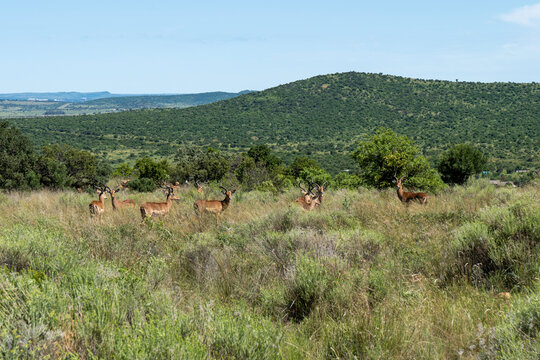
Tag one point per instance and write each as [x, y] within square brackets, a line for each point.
[362, 277]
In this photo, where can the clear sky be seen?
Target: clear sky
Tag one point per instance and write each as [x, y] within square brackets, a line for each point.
[196, 46]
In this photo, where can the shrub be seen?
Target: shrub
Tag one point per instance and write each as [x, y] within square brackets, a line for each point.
[500, 248]
[309, 285]
[142, 185]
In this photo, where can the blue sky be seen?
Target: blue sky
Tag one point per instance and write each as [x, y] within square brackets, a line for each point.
[186, 47]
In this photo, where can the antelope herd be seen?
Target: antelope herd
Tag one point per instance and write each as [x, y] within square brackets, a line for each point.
[312, 197]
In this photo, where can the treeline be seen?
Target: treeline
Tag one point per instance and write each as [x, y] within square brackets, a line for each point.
[382, 159]
[323, 117]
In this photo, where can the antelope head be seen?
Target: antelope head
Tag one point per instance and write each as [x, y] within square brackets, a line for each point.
[226, 192]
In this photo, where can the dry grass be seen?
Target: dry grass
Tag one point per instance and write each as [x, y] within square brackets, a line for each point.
[363, 276]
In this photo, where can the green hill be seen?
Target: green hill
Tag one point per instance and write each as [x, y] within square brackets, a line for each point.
[323, 117]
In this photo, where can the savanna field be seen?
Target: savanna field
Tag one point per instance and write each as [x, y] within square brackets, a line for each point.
[362, 276]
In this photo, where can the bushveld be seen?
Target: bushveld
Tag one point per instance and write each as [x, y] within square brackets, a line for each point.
[361, 276]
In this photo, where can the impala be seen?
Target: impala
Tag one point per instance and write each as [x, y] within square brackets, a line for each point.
[199, 186]
[320, 192]
[149, 209]
[118, 204]
[214, 206]
[98, 207]
[308, 200]
[175, 187]
[406, 196]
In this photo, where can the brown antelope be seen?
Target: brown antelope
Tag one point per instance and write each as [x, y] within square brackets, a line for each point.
[320, 192]
[149, 209]
[124, 184]
[98, 207]
[406, 196]
[214, 206]
[199, 187]
[175, 187]
[118, 204]
[308, 200]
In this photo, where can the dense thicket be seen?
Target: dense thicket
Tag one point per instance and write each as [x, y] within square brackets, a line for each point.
[17, 160]
[323, 117]
[55, 166]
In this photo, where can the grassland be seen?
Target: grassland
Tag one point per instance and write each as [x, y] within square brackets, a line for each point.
[362, 277]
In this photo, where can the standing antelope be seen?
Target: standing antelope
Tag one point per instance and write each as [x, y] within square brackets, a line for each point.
[214, 206]
[98, 207]
[406, 196]
[158, 208]
[308, 200]
[118, 204]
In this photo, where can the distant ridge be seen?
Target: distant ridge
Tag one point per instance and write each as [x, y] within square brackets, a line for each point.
[77, 103]
[322, 117]
[65, 96]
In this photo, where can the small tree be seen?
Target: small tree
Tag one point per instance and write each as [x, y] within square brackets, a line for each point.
[147, 168]
[299, 164]
[194, 163]
[460, 162]
[257, 166]
[386, 155]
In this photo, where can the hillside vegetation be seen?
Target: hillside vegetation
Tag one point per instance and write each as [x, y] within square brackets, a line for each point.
[361, 277]
[323, 117]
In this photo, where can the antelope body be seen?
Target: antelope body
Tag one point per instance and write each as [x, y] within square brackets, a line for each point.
[149, 209]
[118, 204]
[320, 192]
[98, 207]
[214, 206]
[308, 200]
[406, 196]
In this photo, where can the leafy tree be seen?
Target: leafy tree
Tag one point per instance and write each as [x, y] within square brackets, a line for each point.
[54, 174]
[17, 160]
[316, 175]
[349, 181]
[461, 161]
[259, 165]
[386, 155]
[123, 170]
[194, 163]
[147, 168]
[62, 165]
[262, 155]
[299, 164]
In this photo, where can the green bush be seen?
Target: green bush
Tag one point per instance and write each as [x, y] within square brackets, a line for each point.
[500, 248]
[310, 283]
[143, 185]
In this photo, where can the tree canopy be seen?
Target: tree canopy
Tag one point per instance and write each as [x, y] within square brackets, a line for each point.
[385, 156]
[460, 162]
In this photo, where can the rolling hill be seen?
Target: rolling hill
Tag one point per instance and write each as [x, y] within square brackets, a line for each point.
[322, 117]
[75, 103]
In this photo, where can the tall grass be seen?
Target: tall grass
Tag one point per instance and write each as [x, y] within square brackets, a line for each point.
[363, 276]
